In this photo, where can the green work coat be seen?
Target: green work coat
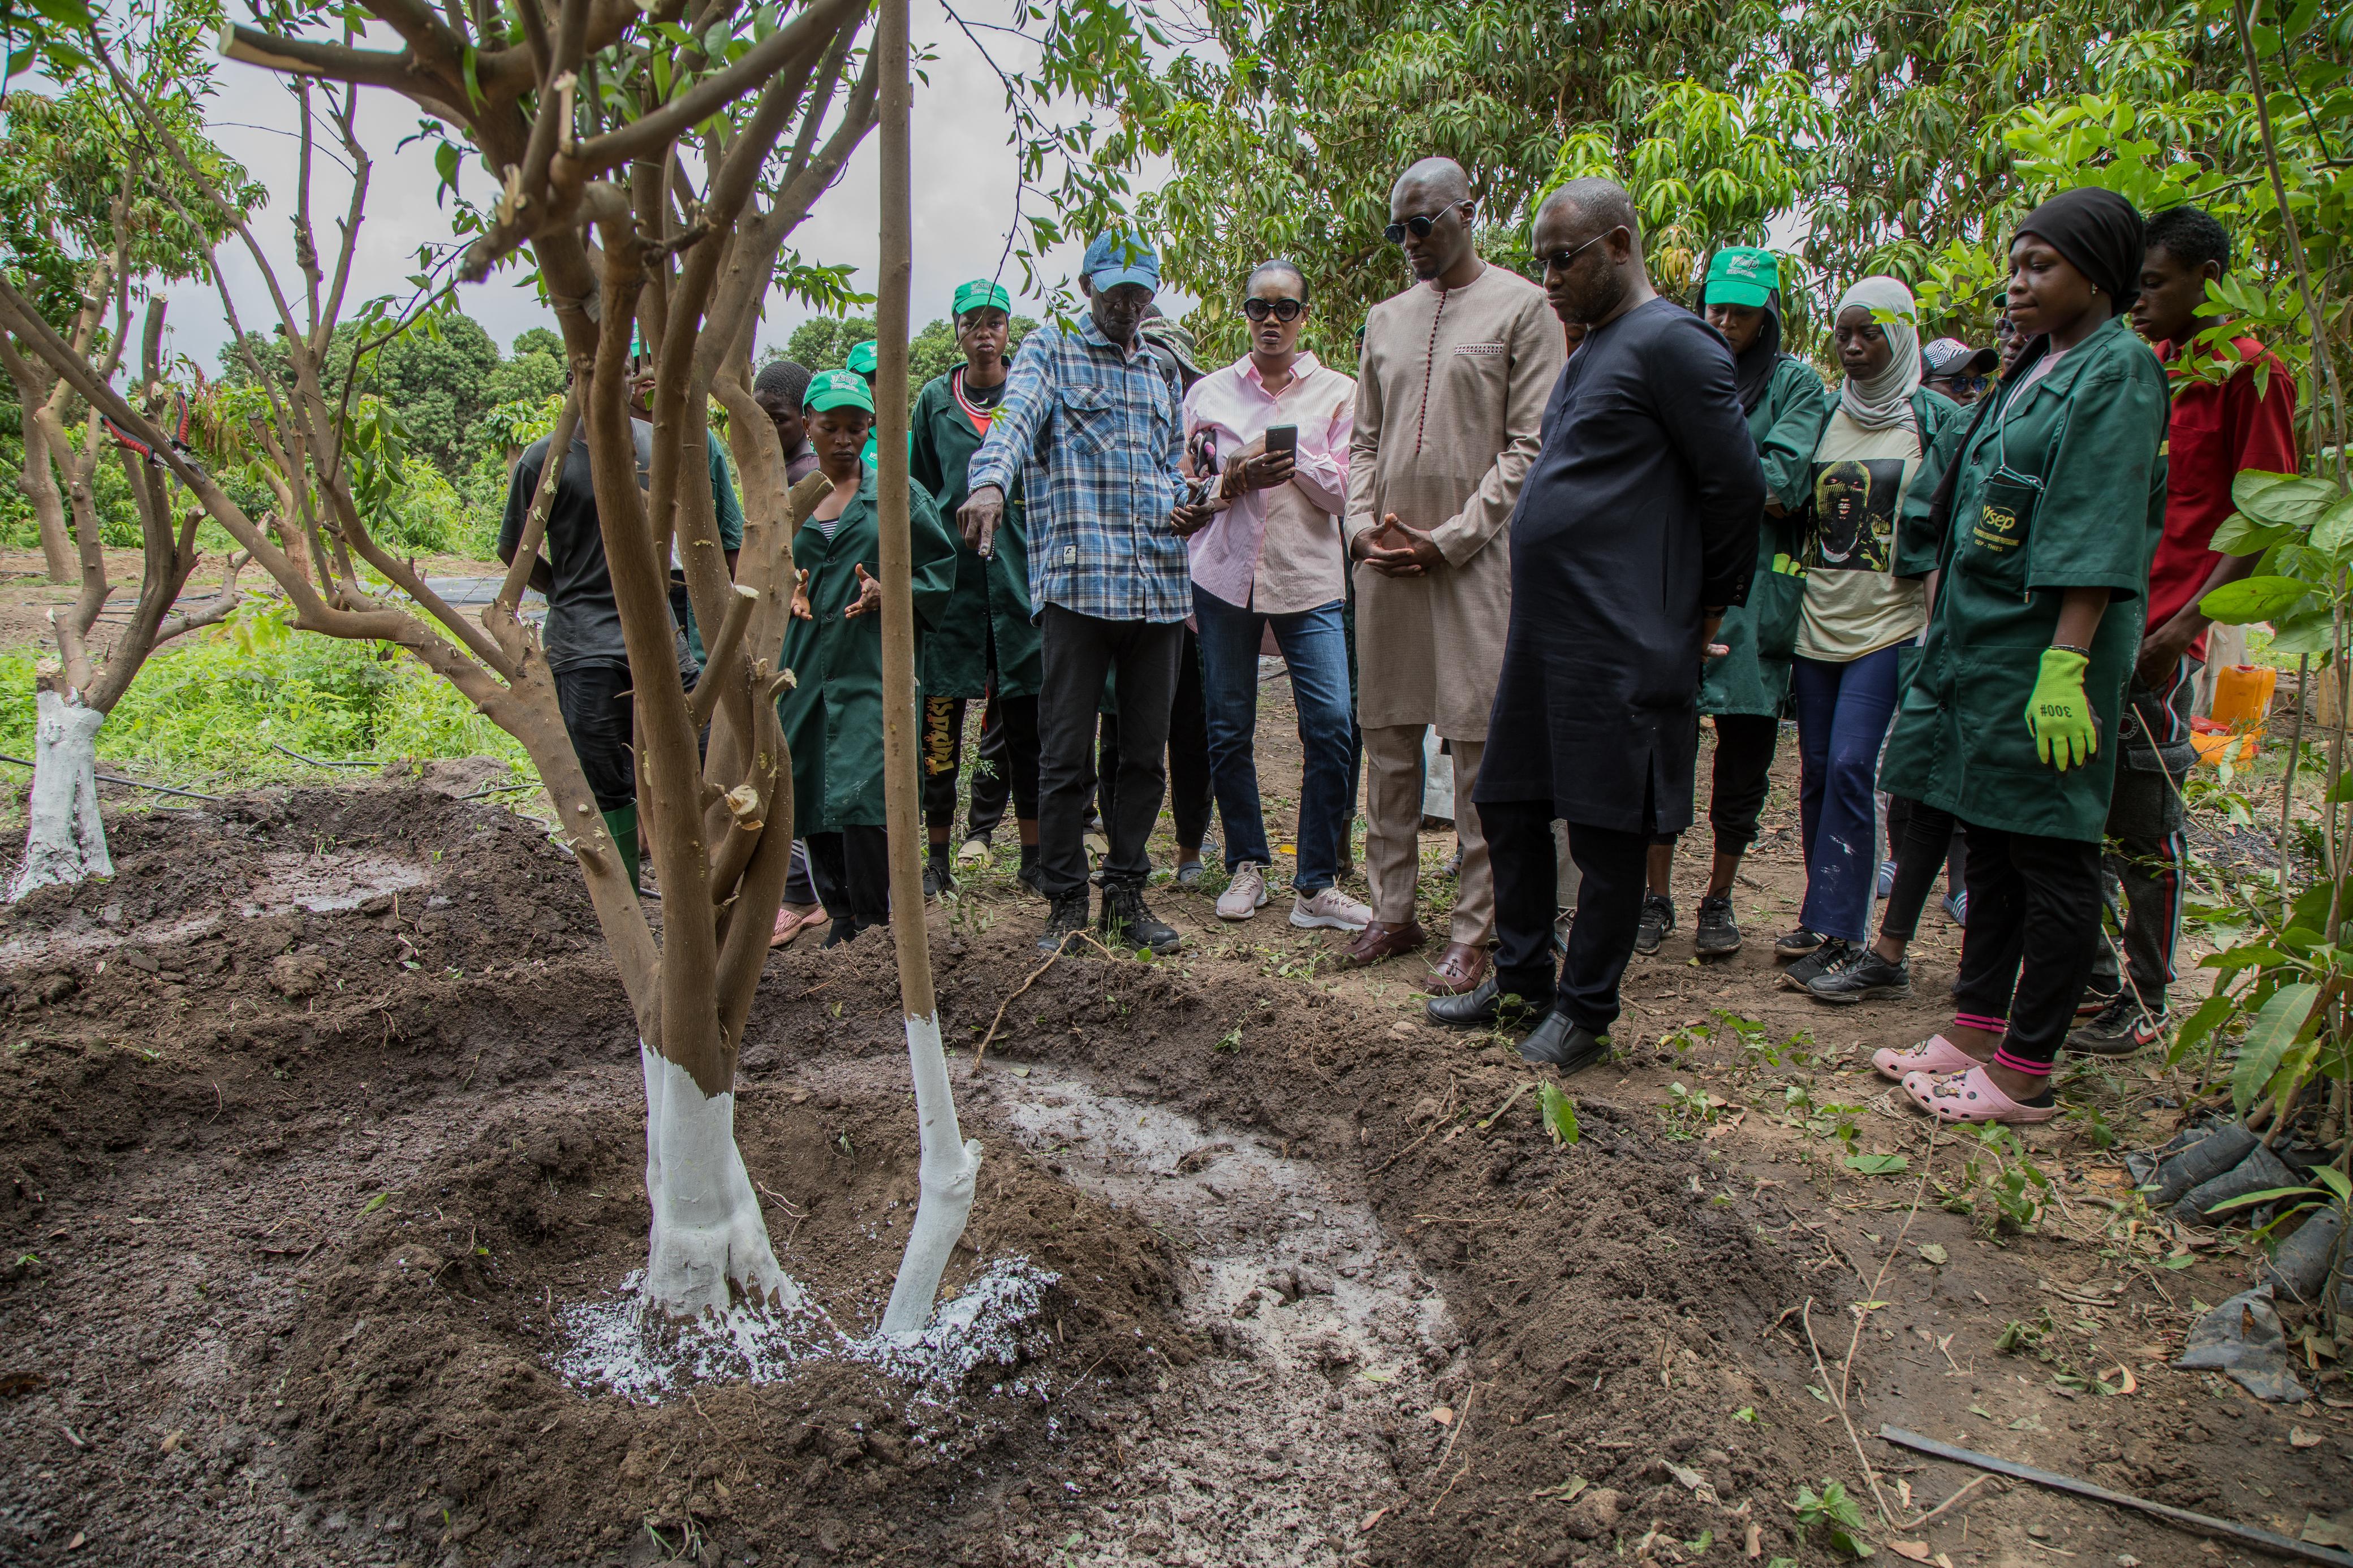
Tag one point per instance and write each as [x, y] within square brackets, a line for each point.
[1787, 425]
[832, 714]
[992, 595]
[2058, 486]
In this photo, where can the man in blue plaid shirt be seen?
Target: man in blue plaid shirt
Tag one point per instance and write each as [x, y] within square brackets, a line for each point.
[1098, 433]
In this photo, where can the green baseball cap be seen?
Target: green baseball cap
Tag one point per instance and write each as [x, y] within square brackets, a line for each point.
[1741, 275]
[837, 389]
[980, 294]
[862, 358]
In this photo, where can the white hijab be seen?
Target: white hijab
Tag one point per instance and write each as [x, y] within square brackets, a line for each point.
[1884, 401]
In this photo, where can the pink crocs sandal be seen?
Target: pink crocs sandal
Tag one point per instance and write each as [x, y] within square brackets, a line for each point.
[1971, 1096]
[1938, 1055]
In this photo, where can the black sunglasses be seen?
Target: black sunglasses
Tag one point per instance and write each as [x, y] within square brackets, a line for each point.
[1280, 310]
[1418, 227]
[1561, 260]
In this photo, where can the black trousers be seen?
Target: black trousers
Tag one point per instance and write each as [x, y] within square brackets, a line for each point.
[1930, 841]
[1012, 770]
[852, 872]
[2143, 873]
[1191, 790]
[1080, 651]
[2034, 923]
[1739, 778]
[1609, 908]
[600, 716]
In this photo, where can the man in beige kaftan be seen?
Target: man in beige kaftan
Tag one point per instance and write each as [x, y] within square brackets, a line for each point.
[1450, 392]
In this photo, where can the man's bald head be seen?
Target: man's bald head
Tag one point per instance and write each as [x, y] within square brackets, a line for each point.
[1590, 238]
[1593, 205]
[1441, 180]
[1429, 216]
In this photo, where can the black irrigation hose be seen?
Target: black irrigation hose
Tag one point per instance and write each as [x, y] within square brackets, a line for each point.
[134, 784]
[316, 762]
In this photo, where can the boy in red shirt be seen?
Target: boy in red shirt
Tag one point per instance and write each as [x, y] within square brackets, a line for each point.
[2222, 423]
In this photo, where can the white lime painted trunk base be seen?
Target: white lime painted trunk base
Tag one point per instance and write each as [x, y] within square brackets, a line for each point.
[64, 840]
[706, 1230]
[949, 1170]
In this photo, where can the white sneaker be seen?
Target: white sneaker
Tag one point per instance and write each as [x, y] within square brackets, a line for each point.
[1330, 909]
[1245, 895]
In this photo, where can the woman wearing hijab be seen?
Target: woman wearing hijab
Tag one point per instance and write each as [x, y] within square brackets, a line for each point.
[2043, 527]
[1744, 686]
[1858, 617]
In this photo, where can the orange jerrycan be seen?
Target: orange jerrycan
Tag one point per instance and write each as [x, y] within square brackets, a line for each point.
[2243, 697]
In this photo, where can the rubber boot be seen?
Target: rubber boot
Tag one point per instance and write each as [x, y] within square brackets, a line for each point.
[623, 827]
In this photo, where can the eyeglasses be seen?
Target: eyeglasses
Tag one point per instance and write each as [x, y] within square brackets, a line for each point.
[1280, 310]
[1418, 227]
[1561, 260]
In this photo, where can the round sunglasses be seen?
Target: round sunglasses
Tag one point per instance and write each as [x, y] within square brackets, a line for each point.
[1419, 225]
[1280, 310]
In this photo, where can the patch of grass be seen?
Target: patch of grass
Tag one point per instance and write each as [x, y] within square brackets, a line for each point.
[205, 711]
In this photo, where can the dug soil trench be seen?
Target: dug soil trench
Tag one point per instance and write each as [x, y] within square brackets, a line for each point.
[321, 1181]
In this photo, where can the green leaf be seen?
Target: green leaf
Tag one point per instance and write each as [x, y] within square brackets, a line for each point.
[2254, 599]
[1876, 1164]
[2209, 1016]
[1559, 1113]
[2268, 1039]
[1934, 1252]
[375, 1204]
[2333, 531]
[1848, 1542]
[2283, 499]
[2242, 535]
[2269, 1194]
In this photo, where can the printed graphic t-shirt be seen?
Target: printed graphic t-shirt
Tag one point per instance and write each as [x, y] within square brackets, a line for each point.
[1853, 607]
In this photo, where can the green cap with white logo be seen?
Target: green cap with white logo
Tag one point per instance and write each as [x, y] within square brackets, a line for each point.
[1741, 275]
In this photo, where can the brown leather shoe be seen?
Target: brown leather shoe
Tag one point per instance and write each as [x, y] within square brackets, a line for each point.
[1378, 941]
[1458, 970]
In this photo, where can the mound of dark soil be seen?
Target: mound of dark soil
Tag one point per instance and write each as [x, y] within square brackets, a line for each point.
[299, 1190]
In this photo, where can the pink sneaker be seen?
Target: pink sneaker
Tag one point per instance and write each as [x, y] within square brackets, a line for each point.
[1938, 1055]
[1971, 1096]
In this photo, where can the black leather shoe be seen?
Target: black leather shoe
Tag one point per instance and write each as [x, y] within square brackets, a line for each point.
[1128, 924]
[1064, 924]
[1483, 1006]
[1570, 1047]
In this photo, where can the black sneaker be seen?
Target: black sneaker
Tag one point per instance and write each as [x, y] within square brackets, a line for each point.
[2122, 1026]
[1658, 919]
[1801, 976]
[1064, 924]
[2098, 996]
[1715, 934]
[1127, 922]
[1862, 976]
[937, 877]
[1797, 943]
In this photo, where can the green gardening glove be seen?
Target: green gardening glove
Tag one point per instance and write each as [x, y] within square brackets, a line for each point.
[2059, 714]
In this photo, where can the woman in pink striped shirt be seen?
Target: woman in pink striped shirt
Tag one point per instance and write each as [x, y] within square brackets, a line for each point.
[1272, 554]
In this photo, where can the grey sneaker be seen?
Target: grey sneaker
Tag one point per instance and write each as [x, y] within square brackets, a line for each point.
[1245, 895]
[2122, 1027]
[1801, 976]
[1715, 934]
[1658, 919]
[1862, 976]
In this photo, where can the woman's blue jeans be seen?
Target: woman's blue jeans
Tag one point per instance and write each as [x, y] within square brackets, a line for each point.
[1844, 711]
[1316, 648]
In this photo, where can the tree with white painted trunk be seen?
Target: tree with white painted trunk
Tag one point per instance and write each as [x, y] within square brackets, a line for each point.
[653, 175]
[95, 229]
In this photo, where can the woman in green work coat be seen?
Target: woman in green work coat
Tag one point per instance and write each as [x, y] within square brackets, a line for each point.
[1744, 686]
[832, 714]
[984, 646]
[2044, 523]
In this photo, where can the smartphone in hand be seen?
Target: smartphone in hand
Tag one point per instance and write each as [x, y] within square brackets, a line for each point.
[1282, 438]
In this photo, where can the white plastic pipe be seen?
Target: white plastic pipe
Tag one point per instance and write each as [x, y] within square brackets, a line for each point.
[949, 1171]
[707, 1229]
[65, 842]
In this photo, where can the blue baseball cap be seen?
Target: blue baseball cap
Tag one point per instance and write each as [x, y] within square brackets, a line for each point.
[1116, 258]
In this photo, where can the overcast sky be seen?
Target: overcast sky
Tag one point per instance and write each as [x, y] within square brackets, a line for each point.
[964, 194]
